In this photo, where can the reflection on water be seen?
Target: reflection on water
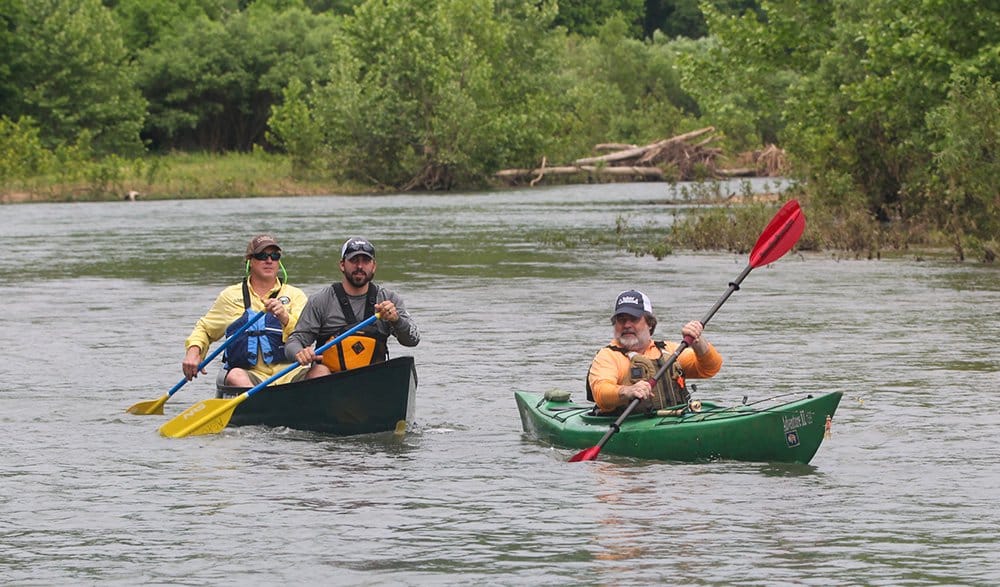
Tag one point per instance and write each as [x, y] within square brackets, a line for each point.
[99, 298]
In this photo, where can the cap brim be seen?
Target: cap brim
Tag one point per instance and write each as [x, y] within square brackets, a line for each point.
[634, 312]
[356, 253]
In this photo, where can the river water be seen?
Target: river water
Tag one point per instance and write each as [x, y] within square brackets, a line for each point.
[98, 298]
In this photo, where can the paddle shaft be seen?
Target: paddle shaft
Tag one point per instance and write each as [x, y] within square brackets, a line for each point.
[221, 348]
[319, 351]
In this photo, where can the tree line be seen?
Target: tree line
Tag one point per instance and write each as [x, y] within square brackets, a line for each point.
[887, 108]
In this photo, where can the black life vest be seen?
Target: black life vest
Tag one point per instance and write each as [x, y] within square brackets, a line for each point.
[263, 341]
[364, 347]
[666, 387]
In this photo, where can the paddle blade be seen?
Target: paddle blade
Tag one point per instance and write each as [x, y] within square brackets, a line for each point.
[209, 416]
[589, 454]
[149, 408]
[779, 236]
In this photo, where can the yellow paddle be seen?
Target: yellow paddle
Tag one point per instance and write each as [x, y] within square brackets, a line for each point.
[211, 416]
[155, 407]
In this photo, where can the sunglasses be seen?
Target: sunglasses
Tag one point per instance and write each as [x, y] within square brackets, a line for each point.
[262, 256]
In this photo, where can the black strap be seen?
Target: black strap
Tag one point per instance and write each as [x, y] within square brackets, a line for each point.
[370, 302]
[345, 303]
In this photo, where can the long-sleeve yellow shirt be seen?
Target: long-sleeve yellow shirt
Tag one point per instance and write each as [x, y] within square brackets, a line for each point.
[228, 307]
[610, 370]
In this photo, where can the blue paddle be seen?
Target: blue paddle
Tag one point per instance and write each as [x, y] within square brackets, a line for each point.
[211, 416]
[155, 407]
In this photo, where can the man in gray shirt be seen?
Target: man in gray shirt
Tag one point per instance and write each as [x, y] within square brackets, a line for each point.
[334, 309]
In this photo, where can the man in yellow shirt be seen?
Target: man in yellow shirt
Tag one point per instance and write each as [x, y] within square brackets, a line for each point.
[610, 381]
[259, 352]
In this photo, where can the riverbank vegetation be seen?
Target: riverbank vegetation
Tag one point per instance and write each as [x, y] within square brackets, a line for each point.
[888, 110]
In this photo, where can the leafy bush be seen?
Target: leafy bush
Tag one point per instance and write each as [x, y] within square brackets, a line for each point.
[962, 195]
[22, 154]
[428, 94]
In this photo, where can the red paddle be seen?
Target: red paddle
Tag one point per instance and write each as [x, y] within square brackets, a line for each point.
[778, 238]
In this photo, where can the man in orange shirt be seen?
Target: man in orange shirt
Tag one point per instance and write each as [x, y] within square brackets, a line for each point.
[612, 382]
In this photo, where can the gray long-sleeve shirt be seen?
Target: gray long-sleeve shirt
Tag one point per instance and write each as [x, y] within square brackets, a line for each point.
[323, 317]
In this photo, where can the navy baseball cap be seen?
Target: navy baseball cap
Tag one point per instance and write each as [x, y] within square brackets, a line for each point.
[632, 302]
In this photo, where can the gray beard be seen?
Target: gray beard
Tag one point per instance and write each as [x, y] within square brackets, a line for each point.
[634, 342]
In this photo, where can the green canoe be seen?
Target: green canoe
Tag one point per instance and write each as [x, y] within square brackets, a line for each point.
[783, 432]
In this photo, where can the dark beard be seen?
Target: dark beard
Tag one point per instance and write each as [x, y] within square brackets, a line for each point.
[359, 279]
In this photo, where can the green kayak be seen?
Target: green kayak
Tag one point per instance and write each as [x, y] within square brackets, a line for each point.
[772, 431]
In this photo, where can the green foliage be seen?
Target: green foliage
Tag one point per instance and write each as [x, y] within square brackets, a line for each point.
[733, 229]
[642, 238]
[332, 6]
[145, 22]
[22, 153]
[211, 84]
[13, 47]
[70, 169]
[294, 130]
[74, 76]
[426, 94]
[684, 18]
[585, 17]
[963, 193]
[674, 18]
[741, 75]
[846, 86]
[620, 89]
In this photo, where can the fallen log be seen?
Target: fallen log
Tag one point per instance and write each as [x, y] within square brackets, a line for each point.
[741, 172]
[678, 158]
[641, 151]
[613, 146]
[595, 170]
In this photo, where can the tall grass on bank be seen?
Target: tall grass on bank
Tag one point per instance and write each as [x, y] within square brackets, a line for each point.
[171, 176]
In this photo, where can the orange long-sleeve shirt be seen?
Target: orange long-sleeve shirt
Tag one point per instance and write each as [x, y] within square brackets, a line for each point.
[610, 370]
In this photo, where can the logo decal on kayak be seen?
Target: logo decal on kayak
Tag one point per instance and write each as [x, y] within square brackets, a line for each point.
[792, 423]
[796, 420]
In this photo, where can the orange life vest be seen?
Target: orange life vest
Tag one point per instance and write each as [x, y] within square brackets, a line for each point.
[668, 389]
[366, 346]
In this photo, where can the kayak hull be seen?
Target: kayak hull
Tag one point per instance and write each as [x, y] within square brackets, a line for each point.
[786, 432]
